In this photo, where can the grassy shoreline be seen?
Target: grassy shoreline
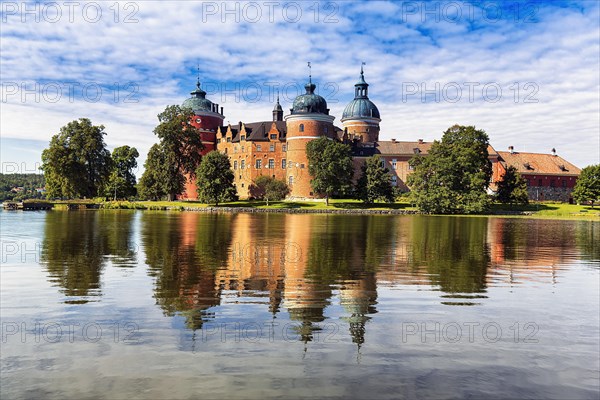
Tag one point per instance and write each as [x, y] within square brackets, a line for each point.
[344, 206]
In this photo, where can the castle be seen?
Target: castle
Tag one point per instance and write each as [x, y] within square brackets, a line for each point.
[278, 147]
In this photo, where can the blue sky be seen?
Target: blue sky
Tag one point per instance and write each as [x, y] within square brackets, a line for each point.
[526, 72]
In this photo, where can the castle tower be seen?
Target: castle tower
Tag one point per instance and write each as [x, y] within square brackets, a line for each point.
[309, 119]
[277, 111]
[207, 118]
[361, 117]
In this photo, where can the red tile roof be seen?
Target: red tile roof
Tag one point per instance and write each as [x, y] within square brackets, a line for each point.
[538, 163]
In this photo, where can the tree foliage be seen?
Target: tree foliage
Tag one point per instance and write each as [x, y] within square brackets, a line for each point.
[77, 162]
[587, 187]
[454, 176]
[268, 188]
[18, 187]
[512, 188]
[330, 164]
[375, 182]
[121, 181]
[181, 146]
[154, 183]
[215, 179]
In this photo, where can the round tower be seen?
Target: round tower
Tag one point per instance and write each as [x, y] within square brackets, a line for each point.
[309, 119]
[361, 117]
[207, 119]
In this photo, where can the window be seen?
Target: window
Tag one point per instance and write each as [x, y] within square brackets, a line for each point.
[564, 183]
[273, 136]
[235, 165]
[410, 167]
[243, 137]
[228, 140]
[301, 165]
[291, 180]
[394, 180]
[284, 147]
[325, 129]
[258, 164]
[552, 183]
[243, 148]
[540, 182]
[218, 140]
[258, 147]
[283, 164]
[243, 164]
[382, 163]
[235, 149]
[271, 164]
[272, 147]
[301, 128]
[393, 163]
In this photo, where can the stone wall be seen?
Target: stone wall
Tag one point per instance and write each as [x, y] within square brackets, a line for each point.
[547, 193]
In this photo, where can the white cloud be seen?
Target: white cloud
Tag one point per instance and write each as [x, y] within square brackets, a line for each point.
[559, 53]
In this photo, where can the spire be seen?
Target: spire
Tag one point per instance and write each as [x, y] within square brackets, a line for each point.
[361, 87]
[277, 110]
[198, 92]
[309, 73]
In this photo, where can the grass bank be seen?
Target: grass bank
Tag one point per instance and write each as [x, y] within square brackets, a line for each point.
[534, 210]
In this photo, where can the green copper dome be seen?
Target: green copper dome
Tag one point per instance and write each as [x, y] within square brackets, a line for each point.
[310, 102]
[198, 101]
[361, 106]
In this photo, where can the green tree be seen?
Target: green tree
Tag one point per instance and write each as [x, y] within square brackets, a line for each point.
[181, 144]
[121, 181]
[512, 188]
[269, 188]
[215, 179]
[454, 176]
[587, 187]
[153, 183]
[330, 164]
[375, 182]
[77, 162]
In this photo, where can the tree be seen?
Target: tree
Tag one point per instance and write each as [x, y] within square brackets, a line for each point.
[268, 188]
[77, 162]
[512, 189]
[330, 164]
[153, 183]
[375, 182]
[121, 181]
[181, 144]
[587, 187]
[454, 176]
[215, 179]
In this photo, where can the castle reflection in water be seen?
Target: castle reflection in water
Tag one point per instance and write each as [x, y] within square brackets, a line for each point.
[300, 264]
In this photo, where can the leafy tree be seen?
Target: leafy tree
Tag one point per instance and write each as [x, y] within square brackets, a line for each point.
[19, 187]
[153, 183]
[215, 179]
[121, 182]
[77, 163]
[181, 144]
[512, 189]
[454, 176]
[269, 188]
[330, 164]
[375, 182]
[587, 187]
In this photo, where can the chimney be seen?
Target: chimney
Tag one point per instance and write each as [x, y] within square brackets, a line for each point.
[511, 149]
[554, 151]
[221, 110]
[420, 141]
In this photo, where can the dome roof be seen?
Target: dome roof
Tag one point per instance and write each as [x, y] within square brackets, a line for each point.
[361, 106]
[310, 102]
[198, 101]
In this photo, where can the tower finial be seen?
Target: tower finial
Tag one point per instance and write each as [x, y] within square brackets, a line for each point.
[277, 96]
[361, 67]
[309, 73]
[198, 78]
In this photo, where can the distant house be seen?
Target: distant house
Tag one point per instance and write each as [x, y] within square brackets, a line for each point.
[548, 176]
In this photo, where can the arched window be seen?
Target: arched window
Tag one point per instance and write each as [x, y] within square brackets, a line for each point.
[291, 180]
[301, 128]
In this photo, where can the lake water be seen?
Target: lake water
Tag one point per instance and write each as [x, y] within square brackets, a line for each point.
[126, 305]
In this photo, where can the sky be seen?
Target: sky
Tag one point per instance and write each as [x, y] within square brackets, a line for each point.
[526, 72]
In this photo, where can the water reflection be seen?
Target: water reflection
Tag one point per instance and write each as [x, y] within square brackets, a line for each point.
[296, 266]
[77, 246]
